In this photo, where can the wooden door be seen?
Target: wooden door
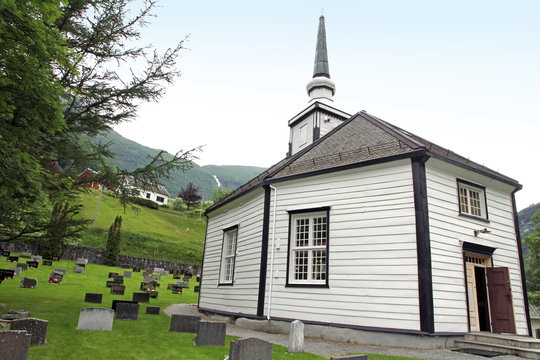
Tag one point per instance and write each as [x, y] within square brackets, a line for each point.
[471, 292]
[500, 300]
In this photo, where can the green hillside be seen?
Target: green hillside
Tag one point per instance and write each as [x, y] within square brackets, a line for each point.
[145, 233]
[131, 155]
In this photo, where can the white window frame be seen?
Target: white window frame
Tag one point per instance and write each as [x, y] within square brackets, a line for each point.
[228, 255]
[472, 200]
[318, 228]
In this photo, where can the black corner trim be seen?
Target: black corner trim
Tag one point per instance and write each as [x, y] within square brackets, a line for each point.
[423, 246]
[521, 263]
[478, 249]
[201, 288]
[264, 251]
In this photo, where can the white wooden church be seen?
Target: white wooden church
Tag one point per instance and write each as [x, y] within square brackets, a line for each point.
[367, 226]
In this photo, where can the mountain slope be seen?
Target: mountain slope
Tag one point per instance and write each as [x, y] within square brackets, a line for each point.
[131, 155]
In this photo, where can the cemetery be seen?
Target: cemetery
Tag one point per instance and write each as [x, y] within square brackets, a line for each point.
[75, 315]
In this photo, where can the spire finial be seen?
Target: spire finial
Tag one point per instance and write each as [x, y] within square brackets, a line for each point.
[321, 87]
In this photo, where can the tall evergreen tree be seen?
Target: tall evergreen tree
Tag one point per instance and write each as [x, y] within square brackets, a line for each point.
[112, 249]
[70, 69]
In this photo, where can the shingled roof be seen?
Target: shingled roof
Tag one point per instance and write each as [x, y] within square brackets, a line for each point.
[359, 141]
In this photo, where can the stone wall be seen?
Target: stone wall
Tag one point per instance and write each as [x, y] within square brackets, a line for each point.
[97, 256]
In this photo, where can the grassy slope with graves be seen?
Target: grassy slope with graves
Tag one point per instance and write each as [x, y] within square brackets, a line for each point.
[146, 233]
[147, 338]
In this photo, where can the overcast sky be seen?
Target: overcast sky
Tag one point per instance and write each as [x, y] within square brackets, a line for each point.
[462, 74]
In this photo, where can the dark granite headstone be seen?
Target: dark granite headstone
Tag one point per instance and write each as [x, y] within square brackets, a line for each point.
[127, 311]
[6, 274]
[176, 289]
[56, 278]
[197, 289]
[111, 274]
[118, 278]
[142, 297]
[55, 258]
[184, 323]
[36, 327]
[47, 263]
[93, 298]
[6, 253]
[13, 259]
[198, 278]
[152, 310]
[29, 283]
[153, 294]
[211, 333]
[116, 302]
[250, 349]
[111, 283]
[23, 266]
[186, 278]
[117, 289]
[14, 344]
[154, 283]
[32, 264]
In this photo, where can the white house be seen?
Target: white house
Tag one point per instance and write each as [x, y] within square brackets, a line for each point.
[367, 226]
[157, 194]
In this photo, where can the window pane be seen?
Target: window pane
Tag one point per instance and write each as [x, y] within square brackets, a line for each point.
[463, 200]
[319, 265]
[302, 232]
[301, 265]
[475, 203]
[319, 231]
[229, 266]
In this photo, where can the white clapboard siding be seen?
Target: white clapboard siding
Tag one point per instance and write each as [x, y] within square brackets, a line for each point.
[373, 274]
[448, 231]
[242, 297]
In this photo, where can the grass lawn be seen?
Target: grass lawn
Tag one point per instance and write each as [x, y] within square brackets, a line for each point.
[146, 233]
[146, 338]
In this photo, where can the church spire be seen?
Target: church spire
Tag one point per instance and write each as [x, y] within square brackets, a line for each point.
[321, 88]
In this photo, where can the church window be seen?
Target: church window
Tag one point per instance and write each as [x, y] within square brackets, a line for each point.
[472, 199]
[228, 256]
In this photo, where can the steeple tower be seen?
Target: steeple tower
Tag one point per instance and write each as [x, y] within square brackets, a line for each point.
[321, 87]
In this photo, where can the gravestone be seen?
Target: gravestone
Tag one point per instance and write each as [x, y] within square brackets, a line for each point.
[111, 274]
[159, 270]
[198, 279]
[176, 289]
[117, 289]
[136, 269]
[60, 271]
[13, 259]
[250, 349]
[142, 297]
[111, 283]
[32, 264]
[81, 261]
[6, 253]
[147, 279]
[153, 294]
[152, 310]
[37, 258]
[118, 278]
[46, 263]
[36, 327]
[78, 269]
[116, 302]
[93, 298]
[23, 266]
[55, 258]
[296, 337]
[127, 274]
[211, 333]
[197, 289]
[350, 357]
[14, 344]
[96, 319]
[16, 270]
[186, 278]
[146, 286]
[154, 283]
[6, 274]
[184, 323]
[127, 311]
[55, 278]
[28, 283]
[183, 284]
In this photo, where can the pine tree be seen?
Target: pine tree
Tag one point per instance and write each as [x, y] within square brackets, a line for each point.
[112, 249]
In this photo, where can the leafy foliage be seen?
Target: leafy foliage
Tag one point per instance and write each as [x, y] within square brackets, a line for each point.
[190, 195]
[63, 77]
[219, 193]
[532, 262]
[112, 250]
[144, 202]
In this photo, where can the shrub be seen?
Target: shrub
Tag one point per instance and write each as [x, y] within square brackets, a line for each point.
[144, 202]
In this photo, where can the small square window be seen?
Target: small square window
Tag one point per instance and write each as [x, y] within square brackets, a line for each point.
[160, 199]
[148, 195]
[472, 199]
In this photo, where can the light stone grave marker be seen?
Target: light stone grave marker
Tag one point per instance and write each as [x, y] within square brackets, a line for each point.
[96, 319]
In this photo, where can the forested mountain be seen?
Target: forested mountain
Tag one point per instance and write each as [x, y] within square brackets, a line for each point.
[131, 155]
[524, 217]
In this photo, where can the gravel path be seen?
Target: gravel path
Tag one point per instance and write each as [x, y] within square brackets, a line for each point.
[328, 348]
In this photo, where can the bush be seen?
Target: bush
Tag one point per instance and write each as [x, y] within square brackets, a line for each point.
[144, 202]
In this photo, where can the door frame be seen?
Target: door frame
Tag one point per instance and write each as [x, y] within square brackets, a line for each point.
[472, 261]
